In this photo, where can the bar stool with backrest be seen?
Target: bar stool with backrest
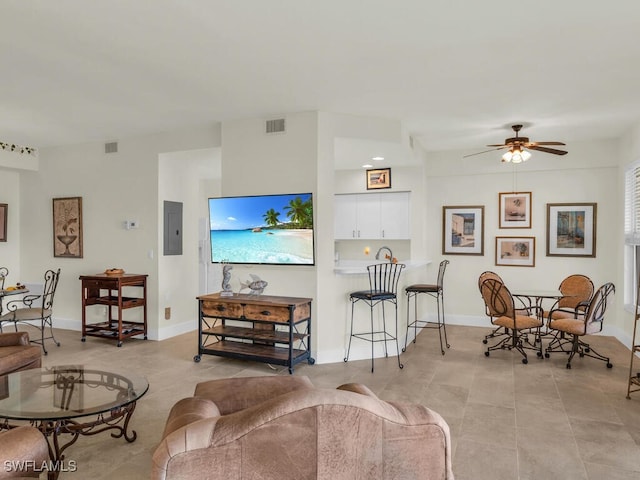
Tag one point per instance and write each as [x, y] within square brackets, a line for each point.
[383, 288]
[433, 290]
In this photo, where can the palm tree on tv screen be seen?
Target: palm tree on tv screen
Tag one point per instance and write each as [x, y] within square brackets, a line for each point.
[300, 212]
[271, 217]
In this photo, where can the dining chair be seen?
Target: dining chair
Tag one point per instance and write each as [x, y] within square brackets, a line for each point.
[433, 290]
[383, 288]
[35, 310]
[581, 324]
[576, 292]
[4, 273]
[501, 308]
[522, 308]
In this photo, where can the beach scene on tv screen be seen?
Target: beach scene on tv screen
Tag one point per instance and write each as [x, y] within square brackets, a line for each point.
[276, 229]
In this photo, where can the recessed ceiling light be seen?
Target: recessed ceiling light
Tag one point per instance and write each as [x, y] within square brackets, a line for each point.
[366, 165]
[377, 159]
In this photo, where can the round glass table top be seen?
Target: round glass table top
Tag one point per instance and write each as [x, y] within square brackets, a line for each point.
[67, 391]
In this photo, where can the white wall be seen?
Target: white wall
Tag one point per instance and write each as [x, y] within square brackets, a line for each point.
[589, 173]
[10, 250]
[114, 187]
[182, 178]
[128, 185]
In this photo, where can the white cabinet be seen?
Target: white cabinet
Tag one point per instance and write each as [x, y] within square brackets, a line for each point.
[372, 216]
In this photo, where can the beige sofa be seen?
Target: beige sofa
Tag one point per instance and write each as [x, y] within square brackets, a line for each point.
[17, 353]
[281, 427]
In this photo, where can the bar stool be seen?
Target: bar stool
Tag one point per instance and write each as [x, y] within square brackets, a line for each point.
[435, 291]
[383, 287]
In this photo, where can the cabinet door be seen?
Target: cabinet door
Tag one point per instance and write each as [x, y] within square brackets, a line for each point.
[394, 215]
[344, 214]
[368, 215]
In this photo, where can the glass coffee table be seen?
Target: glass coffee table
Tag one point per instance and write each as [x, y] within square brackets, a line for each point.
[67, 401]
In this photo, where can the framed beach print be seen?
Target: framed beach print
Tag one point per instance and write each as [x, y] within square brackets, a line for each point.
[571, 229]
[515, 210]
[3, 221]
[67, 227]
[516, 251]
[463, 230]
[378, 178]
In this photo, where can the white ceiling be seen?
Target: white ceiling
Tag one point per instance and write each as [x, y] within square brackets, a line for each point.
[456, 73]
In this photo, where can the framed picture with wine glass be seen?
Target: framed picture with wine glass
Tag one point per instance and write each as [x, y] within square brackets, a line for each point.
[67, 227]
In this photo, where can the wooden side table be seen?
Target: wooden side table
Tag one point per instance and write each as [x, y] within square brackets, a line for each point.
[103, 289]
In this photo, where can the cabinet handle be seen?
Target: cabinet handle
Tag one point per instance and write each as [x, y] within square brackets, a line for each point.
[358, 233]
[266, 313]
[221, 308]
[353, 233]
[382, 233]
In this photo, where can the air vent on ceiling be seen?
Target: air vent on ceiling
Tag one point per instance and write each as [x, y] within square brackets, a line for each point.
[275, 126]
[111, 147]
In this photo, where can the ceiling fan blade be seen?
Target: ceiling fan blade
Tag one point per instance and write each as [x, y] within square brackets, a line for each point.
[486, 151]
[547, 150]
[499, 145]
[546, 143]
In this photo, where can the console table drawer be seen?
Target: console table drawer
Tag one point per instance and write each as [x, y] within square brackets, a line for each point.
[224, 309]
[268, 313]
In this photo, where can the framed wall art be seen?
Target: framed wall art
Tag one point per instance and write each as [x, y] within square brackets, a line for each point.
[515, 210]
[463, 230]
[571, 229]
[378, 178]
[516, 251]
[3, 221]
[67, 227]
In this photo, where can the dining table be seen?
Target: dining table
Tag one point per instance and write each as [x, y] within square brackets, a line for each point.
[7, 292]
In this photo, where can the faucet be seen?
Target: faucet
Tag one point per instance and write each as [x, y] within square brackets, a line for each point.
[390, 254]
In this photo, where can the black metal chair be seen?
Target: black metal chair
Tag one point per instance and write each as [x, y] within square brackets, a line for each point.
[4, 273]
[35, 310]
[383, 287]
[584, 319]
[436, 291]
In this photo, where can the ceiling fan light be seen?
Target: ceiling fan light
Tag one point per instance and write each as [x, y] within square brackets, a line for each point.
[525, 155]
[507, 156]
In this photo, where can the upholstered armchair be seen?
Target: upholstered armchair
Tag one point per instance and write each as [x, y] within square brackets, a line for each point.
[276, 428]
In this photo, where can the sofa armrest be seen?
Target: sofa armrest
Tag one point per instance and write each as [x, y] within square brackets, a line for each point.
[189, 410]
[12, 339]
[23, 450]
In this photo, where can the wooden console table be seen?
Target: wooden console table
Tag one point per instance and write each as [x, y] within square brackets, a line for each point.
[103, 289]
[261, 328]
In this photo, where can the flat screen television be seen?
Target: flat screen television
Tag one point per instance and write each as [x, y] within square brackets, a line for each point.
[262, 229]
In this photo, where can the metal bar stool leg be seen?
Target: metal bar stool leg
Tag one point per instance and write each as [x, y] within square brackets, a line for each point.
[372, 335]
[400, 365]
[346, 359]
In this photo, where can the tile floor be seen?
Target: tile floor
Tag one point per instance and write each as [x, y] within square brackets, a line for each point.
[508, 420]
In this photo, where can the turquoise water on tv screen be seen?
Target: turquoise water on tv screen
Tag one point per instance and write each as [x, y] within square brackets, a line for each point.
[265, 246]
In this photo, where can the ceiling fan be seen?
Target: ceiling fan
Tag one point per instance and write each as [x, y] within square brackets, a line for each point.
[518, 147]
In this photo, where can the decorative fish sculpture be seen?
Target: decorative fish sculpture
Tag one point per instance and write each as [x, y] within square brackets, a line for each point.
[256, 285]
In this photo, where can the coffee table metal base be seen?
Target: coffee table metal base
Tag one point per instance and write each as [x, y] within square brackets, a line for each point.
[54, 430]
